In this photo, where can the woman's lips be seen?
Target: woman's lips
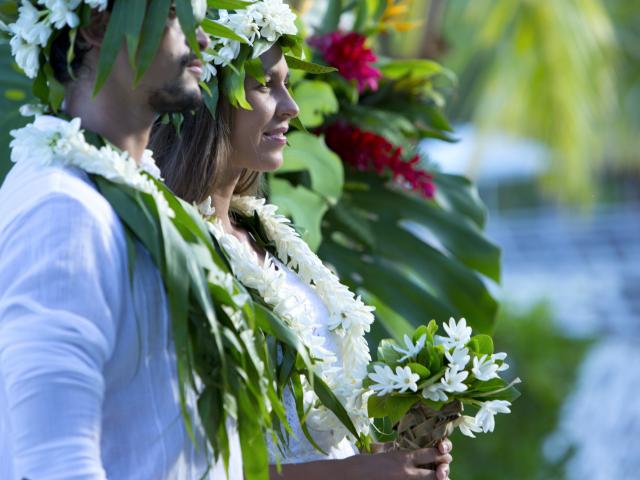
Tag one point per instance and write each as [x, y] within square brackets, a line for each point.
[276, 136]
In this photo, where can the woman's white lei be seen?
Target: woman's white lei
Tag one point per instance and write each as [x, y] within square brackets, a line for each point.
[350, 318]
[53, 141]
[265, 19]
[37, 21]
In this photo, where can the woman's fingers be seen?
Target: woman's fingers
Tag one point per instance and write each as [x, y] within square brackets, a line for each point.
[425, 456]
[445, 446]
[442, 472]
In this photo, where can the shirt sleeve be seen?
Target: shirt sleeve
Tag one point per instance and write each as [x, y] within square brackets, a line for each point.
[62, 271]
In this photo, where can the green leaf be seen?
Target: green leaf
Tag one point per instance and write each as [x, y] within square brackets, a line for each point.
[419, 369]
[329, 400]
[255, 69]
[316, 100]
[228, 4]
[152, 30]
[387, 354]
[298, 394]
[331, 18]
[394, 69]
[481, 345]
[133, 27]
[394, 407]
[304, 206]
[213, 28]
[309, 152]
[184, 11]
[112, 42]
[309, 67]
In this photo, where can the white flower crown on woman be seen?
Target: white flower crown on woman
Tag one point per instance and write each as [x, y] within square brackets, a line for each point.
[261, 24]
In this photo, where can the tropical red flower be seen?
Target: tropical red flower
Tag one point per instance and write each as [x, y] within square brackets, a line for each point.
[365, 151]
[347, 53]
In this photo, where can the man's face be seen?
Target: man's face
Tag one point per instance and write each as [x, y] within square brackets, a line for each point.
[171, 83]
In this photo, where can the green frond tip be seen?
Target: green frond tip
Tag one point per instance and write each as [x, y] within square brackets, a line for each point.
[309, 67]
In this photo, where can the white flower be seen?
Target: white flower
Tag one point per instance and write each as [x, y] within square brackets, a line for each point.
[405, 379]
[435, 392]
[62, 12]
[458, 334]
[199, 9]
[148, 164]
[484, 368]
[459, 358]
[99, 5]
[227, 54]
[206, 209]
[275, 19]
[27, 55]
[209, 69]
[484, 417]
[32, 109]
[30, 27]
[412, 350]
[384, 378]
[501, 356]
[453, 380]
[467, 425]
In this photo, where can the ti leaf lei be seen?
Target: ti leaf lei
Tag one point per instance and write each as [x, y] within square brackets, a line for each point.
[220, 335]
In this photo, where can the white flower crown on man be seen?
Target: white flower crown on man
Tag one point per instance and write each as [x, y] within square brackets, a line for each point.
[38, 20]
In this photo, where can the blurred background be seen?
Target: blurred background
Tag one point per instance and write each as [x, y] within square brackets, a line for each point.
[543, 100]
[547, 113]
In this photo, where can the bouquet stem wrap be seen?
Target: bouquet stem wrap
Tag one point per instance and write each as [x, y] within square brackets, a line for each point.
[423, 427]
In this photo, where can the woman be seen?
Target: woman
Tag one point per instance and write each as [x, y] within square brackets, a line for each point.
[223, 157]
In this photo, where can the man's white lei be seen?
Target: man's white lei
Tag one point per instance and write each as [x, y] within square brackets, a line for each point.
[264, 20]
[37, 21]
[349, 317]
[53, 141]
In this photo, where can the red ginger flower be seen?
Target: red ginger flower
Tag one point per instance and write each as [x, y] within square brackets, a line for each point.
[347, 53]
[368, 151]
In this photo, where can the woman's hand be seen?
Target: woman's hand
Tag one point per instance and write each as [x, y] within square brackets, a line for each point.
[401, 465]
[382, 465]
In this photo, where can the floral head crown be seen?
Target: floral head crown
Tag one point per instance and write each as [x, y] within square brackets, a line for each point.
[38, 23]
[250, 31]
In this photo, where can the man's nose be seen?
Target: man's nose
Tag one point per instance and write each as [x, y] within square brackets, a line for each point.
[203, 39]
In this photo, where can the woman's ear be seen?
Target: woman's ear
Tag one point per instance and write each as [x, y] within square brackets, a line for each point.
[93, 34]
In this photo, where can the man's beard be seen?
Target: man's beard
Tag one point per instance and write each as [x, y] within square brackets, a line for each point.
[174, 97]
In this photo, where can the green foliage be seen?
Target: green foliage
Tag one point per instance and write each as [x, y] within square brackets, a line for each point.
[547, 361]
[14, 87]
[543, 70]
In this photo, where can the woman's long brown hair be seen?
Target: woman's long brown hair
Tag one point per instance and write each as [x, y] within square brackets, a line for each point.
[194, 160]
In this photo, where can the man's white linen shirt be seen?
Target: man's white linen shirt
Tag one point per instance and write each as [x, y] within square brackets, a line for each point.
[88, 383]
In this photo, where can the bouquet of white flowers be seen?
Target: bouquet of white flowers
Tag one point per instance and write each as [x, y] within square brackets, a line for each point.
[424, 385]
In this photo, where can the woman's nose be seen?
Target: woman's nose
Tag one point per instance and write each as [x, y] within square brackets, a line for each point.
[289, 108]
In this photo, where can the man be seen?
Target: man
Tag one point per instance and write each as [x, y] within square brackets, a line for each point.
[88, 383]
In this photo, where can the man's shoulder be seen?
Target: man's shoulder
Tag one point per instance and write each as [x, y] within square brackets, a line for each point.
[53, 191]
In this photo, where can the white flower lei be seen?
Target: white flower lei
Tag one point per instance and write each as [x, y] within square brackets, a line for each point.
[264, 19]
[349, 317]
[53, 141]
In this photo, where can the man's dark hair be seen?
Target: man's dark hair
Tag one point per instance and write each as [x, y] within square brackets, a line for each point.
[62, 70]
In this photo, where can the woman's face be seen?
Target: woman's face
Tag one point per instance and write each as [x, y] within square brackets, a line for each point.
[258, 135]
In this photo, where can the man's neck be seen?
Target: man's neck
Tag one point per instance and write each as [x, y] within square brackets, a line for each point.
[118, 116]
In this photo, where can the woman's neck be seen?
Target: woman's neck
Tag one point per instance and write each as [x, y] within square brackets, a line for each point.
[221, 200]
